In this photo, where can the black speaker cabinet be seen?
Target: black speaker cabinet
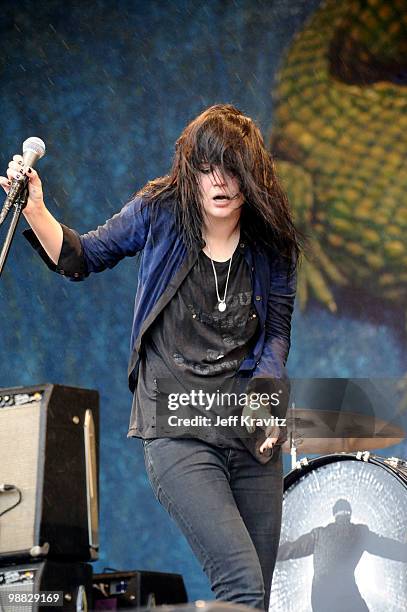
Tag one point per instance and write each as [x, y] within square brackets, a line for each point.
[49, 456]
[31, 586]
[118, 590]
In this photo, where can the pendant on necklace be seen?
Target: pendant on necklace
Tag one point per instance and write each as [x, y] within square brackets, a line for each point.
[222, 306]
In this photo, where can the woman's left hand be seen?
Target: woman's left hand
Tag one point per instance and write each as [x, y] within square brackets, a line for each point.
[269, 442]
[272, 432]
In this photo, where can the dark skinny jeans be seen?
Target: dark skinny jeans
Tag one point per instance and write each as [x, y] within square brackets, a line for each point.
[228, 506]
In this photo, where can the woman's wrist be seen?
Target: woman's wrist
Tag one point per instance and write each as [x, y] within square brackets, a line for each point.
[38, 212]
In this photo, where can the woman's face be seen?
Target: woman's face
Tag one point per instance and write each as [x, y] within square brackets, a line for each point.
[221, 196]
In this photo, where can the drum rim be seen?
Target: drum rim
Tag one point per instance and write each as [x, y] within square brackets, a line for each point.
[294, 475]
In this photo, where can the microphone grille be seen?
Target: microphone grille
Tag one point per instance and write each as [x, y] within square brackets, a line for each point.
[34, 144]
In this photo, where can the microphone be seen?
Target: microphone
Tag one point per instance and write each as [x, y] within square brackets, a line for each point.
[33, 150]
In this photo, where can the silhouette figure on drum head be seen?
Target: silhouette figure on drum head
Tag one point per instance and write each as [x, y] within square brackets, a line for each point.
[337, 549]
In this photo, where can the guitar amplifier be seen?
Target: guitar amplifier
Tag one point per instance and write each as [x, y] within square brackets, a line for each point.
[117, 590]
[46, 585]
[49, 473]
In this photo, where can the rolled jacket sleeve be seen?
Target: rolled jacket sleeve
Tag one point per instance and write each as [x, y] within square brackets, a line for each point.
[122, 235]
[71, 262]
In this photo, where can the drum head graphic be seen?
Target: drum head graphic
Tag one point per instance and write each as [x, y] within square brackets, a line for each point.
[343, 545]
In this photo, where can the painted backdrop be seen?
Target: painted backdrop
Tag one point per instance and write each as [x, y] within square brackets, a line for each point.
[109, 86]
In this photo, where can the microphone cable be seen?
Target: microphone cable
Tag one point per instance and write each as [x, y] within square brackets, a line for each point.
[4, 488]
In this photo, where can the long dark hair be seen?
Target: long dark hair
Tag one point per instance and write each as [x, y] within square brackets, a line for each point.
[222, 136]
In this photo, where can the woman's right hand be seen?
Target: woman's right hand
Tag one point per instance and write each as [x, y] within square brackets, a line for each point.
[16, 169]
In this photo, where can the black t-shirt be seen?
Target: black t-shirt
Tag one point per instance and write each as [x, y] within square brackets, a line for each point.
[194, 345]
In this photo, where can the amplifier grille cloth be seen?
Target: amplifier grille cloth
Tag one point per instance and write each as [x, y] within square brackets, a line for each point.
[19, 456]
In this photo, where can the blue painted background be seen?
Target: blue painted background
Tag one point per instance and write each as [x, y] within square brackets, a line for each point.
[109, 86]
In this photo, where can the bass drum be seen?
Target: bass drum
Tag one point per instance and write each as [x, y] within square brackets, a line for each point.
[343, 545]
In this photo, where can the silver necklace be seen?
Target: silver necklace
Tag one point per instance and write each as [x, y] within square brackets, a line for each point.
[221, 302]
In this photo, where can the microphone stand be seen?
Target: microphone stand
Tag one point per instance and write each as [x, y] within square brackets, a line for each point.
[18, 207]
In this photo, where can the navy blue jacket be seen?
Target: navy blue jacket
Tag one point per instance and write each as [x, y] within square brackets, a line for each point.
[165, 262]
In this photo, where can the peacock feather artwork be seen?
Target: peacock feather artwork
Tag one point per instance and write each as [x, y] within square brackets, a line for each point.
[339, 141]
